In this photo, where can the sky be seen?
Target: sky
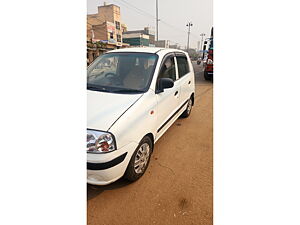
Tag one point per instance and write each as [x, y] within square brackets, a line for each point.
[174, 15]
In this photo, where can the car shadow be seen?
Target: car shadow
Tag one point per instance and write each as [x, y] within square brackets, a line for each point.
[95, 190]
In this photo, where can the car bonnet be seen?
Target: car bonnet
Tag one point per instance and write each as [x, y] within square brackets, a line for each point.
[103, 108]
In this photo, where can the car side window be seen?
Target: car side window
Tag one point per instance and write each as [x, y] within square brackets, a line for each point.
[167, 69]
[183, 66]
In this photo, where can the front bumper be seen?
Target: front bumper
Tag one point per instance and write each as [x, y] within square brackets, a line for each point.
[103, 169]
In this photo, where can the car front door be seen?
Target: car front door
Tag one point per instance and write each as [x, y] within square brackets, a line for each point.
[168, 100]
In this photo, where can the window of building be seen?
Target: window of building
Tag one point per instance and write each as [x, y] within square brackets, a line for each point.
[168, 69]
[118, 25]
[119, 39]
[183, 66]
[111, 35]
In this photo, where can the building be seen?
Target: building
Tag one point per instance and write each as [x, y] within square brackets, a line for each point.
[94, 50]
[175, 46]
[151, 34]
[144, 37]
[136, 39]
[123, 27]
[105, 26]
[162, 43]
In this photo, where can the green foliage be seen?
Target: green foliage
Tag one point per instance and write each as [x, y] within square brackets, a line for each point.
[100, 45]
[97, 45]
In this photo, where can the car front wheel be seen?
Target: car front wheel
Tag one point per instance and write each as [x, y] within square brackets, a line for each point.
[206, 75]
[140, 160]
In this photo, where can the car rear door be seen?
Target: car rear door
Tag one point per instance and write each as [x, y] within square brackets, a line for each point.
[168, 100]
[185, 77]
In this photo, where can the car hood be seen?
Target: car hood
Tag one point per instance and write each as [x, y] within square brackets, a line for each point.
[103, 108]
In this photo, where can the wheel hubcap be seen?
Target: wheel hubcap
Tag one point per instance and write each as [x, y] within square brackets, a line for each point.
[189, 106]
[142, 158]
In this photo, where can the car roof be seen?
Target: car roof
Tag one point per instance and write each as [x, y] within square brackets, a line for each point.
[147, 50]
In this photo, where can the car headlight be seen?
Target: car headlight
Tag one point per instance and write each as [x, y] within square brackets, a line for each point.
[100, 142]
[209, 61]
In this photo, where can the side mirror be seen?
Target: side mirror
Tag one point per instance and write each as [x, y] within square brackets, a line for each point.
[164, 83]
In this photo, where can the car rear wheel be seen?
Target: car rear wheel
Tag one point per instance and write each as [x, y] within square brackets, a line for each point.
[139, 161]
[188, 110]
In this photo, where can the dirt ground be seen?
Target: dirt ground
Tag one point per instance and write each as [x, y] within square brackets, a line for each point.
[177, 187]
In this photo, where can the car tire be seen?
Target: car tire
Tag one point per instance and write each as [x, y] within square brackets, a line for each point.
[140, 159]
[205, 76]
[188, 110]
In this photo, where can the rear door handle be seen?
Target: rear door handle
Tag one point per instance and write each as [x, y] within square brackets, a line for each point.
[176, 93]
[189, 82]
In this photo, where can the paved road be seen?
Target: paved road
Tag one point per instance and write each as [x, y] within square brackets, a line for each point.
[178, 185]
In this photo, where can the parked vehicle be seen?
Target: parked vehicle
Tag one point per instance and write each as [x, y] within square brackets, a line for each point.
[199, 61]
[209, 66]
[204, 59]
[134, 95]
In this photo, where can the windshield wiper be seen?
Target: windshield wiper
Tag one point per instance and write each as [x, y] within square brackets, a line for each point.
[127, 91]
[93, 87]
[96, 88]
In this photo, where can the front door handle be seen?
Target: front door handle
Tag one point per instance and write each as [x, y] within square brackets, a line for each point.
[189, 82]
[176, 93]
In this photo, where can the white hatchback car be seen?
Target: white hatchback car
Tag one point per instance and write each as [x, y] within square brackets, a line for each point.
[134, 96]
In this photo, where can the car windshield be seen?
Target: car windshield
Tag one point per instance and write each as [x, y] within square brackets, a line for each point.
[121, 72]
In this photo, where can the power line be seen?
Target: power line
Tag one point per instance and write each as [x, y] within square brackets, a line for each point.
[139, 11]
[146, 14]
[137, 8]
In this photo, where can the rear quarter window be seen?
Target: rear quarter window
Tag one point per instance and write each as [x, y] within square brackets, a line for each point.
[183, 66]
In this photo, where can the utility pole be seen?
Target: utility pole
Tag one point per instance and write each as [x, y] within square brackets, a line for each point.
[204, 47]
[188, 42]
[202, 35]
[157, 20]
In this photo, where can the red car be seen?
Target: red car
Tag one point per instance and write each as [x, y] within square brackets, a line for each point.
[209, 66]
